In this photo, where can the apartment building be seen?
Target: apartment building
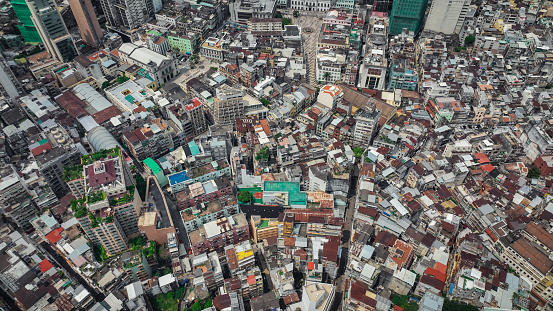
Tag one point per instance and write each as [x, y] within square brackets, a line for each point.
[215, 235]
[263, 228]
[203, 212]
[365, 127]
[373, 69]
[528, 259]
[155, 66]
[228, 105]
[15, 201]
[108, 213]
[265, 24]
[243, 10]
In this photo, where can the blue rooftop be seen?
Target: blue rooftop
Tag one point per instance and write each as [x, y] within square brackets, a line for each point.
[178, 178]
[194, 150]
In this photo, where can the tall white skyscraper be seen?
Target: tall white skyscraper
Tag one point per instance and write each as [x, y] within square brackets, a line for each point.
[447, 16]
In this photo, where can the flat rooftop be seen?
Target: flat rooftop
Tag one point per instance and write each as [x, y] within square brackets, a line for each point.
[210, 208]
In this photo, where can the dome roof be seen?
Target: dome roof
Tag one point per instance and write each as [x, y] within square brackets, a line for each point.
[100, 138]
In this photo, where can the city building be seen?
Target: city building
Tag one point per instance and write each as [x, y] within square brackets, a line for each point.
[263, 228]
[264, 24]
[364, 131]
[91, 33]
[155, 66]
[109, 211]
[228, 105]
[52, 30]
[447, 16]
[15, 201]
[125, 16]
[243, 10]
[183, 42]
[155, 220]
[407, 14]
[136, 265]
[215, 235]
[27, 30]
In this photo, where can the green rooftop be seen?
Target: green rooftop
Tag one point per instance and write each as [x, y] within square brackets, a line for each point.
[295, 196]
[152, 165]
[130, 99]
[264, 224]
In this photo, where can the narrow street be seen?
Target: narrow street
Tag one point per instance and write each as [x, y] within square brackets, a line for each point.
[346, 238]
[177, 221]
[97, 296]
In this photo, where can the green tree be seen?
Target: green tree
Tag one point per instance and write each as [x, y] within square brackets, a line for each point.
[296, 13]
[140, 186]
[196, 306]
[454, 305]
[286, 21]
[469, 40]
[265, 102]
[534, 172]
[358, 152]
[549, 85]
[327, 75]
[106, 84]
[122, 79]
[245, 197]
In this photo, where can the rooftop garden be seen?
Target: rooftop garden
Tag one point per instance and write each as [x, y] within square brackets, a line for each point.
[73, 172]
[262, 154]
[99, 253]
[91, 158]
[95, 197]
[126, 198]
[78, 208]
[150, 250]
[96, 221]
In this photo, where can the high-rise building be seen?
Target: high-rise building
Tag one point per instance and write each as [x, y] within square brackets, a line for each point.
[53, 151]
[28, 30]
[52, 30]
[108, 213]
[9, 85]
[127, 14]
[447, 16]
[372, 72]
[383, 6]
[91, 33]
[228, 106]
[367, 122]
[15, 200]
[407, 14]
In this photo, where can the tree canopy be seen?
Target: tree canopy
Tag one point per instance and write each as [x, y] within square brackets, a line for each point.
[469, 40]
[534, 172]
[245, 197]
